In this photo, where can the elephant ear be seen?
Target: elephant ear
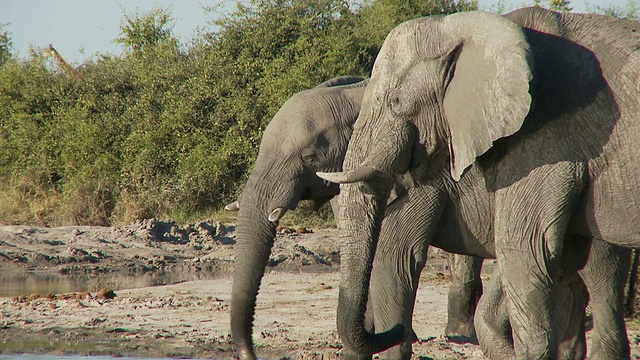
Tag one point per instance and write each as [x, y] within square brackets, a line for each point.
[341, 80]
[487, 97]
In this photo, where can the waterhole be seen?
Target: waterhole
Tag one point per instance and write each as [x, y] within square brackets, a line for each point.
[16, 284]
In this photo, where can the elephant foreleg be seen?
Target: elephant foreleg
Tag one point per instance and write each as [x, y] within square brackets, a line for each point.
[394, 283]
[569, 318]
[464, 292]
[404, 239]
[530, 234]
[605, 274]
[492, 322]
[494, 329]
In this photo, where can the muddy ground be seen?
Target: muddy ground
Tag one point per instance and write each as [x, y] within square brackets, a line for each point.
[295, 316]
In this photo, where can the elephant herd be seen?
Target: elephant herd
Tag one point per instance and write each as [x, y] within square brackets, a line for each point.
[510, 137]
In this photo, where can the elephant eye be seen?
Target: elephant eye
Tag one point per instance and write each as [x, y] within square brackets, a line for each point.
[394, 102]
[393, 98]
[402, 105]
[309, 159]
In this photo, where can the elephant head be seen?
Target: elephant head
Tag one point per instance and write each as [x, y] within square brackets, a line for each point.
[309, 133]
[442, 90]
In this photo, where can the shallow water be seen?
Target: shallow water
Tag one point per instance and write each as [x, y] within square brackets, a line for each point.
[15, 284]
[67, 357]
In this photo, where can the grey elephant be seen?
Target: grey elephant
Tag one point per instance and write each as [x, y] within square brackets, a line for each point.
[306, 108]
[604, 273]
[316, 125]
[459, 225]
[294, 144]
[541, 117]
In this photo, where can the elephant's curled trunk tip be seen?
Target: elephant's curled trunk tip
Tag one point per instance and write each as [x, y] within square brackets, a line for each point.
[376, 343]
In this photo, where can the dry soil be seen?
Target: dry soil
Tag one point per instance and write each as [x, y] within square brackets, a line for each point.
[295, 316]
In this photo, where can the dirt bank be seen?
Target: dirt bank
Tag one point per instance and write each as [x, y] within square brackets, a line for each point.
[295, 317]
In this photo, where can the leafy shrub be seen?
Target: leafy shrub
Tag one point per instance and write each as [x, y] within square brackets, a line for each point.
[168, 130]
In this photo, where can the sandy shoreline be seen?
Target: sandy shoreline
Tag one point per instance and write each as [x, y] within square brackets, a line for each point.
[295, 315]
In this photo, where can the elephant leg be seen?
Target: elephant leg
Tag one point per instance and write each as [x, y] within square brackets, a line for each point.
[532, 215]
[491, 322]
[404, 239]
[605, 275]
[394, 283]
[529, 290]
[494, 329]
[570, 305]
[464, 292]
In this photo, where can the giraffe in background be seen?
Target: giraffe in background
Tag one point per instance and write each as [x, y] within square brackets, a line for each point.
[62, 64]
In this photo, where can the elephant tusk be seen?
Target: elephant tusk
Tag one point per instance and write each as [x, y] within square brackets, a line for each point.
[360, 174]
[277, 214]
[234, 206]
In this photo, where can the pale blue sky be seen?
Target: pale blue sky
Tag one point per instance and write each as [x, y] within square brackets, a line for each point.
[79, 29]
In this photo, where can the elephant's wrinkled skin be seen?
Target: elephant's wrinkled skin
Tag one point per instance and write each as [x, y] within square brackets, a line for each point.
[544, 120]
[316, 125]
[282, 176]
[457, 225]
[609, 338]
[463, 293]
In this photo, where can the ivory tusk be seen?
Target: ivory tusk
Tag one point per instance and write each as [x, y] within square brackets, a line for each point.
[234, 206]
[277, 214]
[350, 176]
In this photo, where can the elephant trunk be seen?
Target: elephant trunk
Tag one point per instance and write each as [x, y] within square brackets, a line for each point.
[367, 183]
[254, 240]
[361, 221]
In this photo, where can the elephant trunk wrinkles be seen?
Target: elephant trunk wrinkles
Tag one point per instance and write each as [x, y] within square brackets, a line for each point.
[255, 237]
[362, 208]
[362, 220]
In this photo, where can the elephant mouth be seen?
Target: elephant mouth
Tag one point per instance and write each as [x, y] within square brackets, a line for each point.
[390, 156]
[318, 195]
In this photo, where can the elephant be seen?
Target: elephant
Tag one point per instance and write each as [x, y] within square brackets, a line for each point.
[536, 114]
[282, 176]
[439, 225]
[609, 338]
[318, 123]
[465, 288]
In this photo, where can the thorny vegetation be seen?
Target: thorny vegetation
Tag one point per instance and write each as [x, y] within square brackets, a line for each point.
[170, 129]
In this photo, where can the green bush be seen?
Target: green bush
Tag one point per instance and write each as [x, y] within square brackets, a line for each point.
[170, 130]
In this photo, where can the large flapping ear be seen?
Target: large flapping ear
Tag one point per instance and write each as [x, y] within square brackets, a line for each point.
[487, 97]
[341, 80]
[539, 19]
